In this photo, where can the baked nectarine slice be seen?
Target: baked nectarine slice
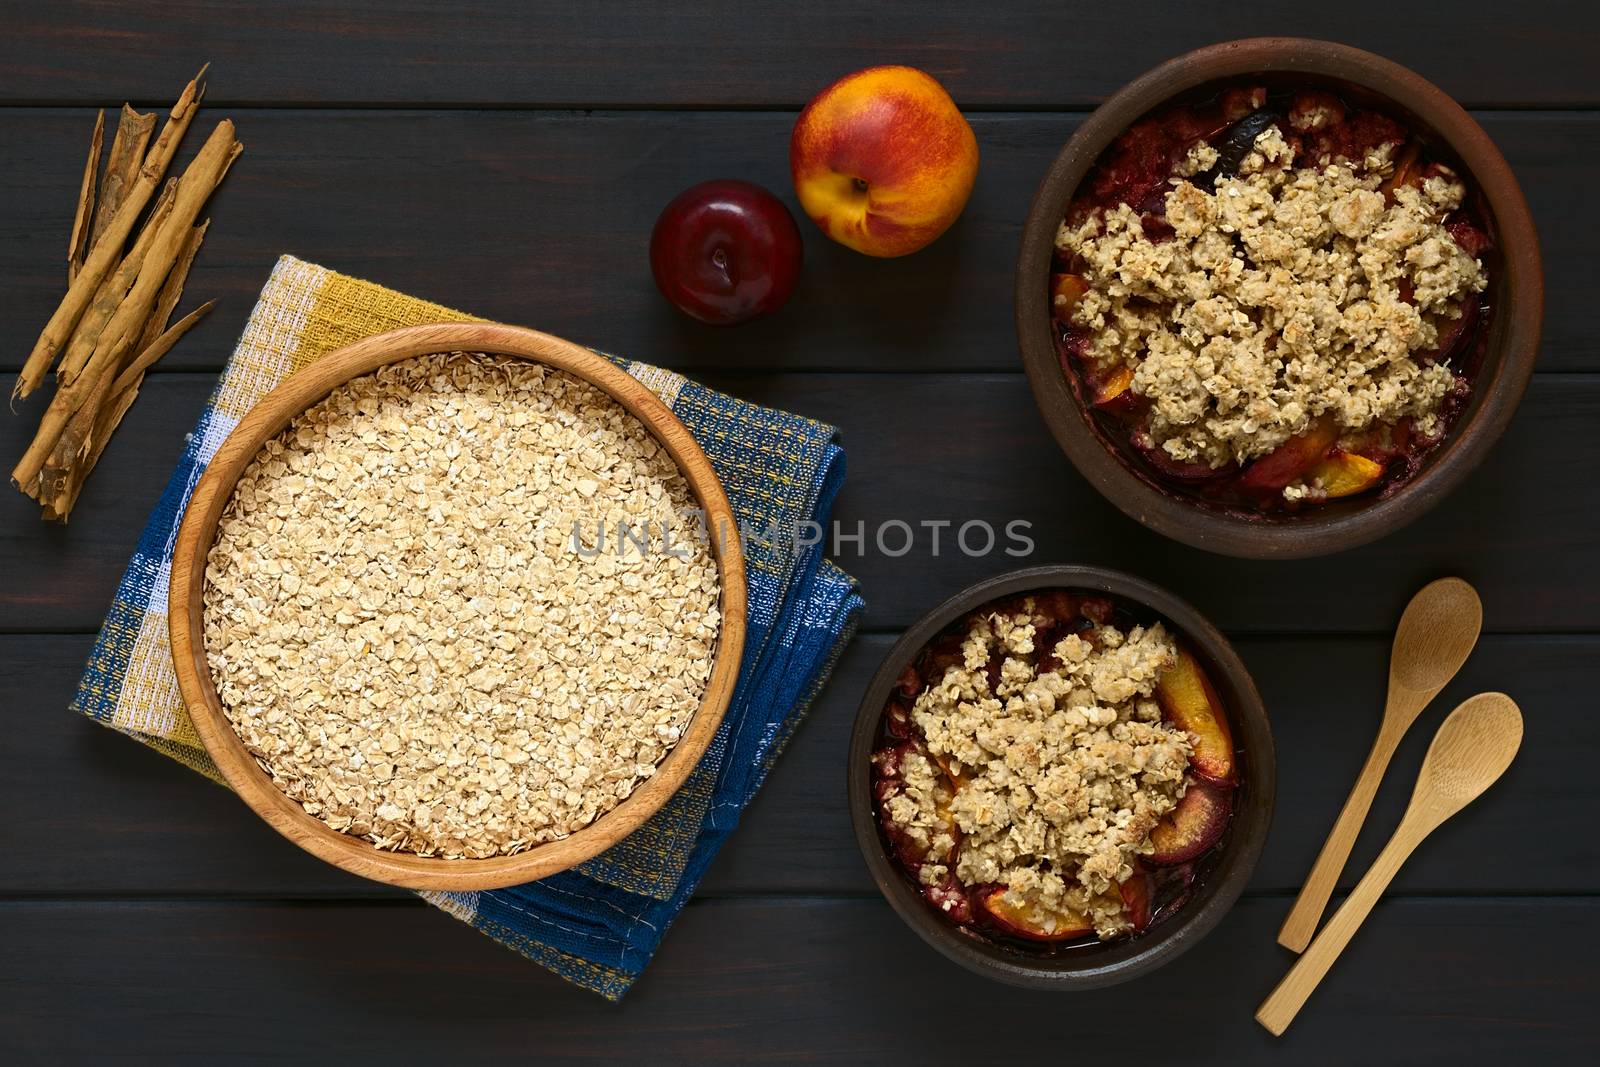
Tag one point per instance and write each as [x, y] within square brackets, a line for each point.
[1065, 292]
[1473, 241]
[1136, 895]
[1406, 171]
[1193, 826]
[1189, 701]
[1177, 469]
[1346, 474]
[947, 764]
[1380, 442]
[1033, 920]
[1453, 331]
[1114, 392]
[897, 716]
[1290, 460]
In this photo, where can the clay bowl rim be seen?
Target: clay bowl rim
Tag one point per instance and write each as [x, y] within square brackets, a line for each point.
[1512, 342]
[198, 532]
[1092, 966]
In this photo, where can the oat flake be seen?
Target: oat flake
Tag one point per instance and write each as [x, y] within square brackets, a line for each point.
[403, 635]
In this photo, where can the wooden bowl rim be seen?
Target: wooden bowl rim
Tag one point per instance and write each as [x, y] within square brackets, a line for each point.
[1508, 362]
[1094, 965]
[198, 531]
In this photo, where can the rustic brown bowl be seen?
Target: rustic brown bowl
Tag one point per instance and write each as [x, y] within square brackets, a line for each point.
[199, 530]
[1091, 965]
[1516, 296]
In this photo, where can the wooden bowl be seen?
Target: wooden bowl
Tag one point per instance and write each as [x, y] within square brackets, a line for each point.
[1090, 965]
[199, 530]
[1516, 296]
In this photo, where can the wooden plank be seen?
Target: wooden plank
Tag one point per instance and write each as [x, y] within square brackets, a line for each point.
[729, 54]
[958, 448]
[543, 219]
[141, 825]
[767, 981]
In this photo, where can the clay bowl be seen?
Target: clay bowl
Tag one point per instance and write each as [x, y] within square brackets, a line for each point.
[1516, 296]
[199, 529]
[1224, 872]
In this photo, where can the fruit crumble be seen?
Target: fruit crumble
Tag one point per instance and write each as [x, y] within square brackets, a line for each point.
[1275, 297]
[1052, 770]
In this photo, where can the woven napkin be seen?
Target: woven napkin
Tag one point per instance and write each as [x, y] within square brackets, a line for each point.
[598, 924]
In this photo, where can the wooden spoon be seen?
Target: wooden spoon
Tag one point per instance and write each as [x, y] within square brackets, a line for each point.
[1436, 634]
[1471, 750]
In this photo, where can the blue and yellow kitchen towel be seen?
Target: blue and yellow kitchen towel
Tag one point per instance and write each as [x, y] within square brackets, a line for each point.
[596, 925]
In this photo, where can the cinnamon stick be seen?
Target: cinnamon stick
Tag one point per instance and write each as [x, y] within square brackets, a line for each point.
[66, 455]
[85, 438]
[131, 375]
[172, 290]
[125, 325]
[51, 484]
[105, 425]
[122, 166]
[78, 243]
[105, 253]
[62, 481]
[64, 495]
[114, 288]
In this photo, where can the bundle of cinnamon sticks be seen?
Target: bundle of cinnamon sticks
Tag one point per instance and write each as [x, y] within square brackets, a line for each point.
[113, 324]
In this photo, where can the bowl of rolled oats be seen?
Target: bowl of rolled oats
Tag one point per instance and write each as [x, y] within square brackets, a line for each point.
[1062, 777]
[1277, 297]
[457, 607]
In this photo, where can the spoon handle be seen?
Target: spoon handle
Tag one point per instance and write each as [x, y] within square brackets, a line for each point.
[1308, 907]
[1280, 1008]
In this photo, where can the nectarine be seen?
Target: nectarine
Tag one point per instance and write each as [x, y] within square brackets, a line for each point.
[1189, 701]
[1291, 459]
[1176, 469]
[883, 160]
[1065, 292]
[1135, 890]
[1115, 390]
[1194, 825]
[1033, 920]
[1345, 474]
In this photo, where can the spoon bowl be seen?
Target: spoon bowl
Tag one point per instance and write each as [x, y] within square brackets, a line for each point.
[1436, 634]
[1469, 754]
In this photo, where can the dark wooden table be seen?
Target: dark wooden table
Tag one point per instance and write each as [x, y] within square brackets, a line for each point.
[510, 160]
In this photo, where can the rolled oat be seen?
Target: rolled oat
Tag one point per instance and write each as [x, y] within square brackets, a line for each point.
[405, 633]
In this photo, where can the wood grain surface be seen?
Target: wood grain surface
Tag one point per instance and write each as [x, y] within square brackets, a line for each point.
[732, 54]
[771, 981]
[509, 159]
[554, 233]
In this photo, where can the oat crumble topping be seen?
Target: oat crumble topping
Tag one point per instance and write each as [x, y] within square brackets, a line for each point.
[1279, 299]
[1060, 773]
[401, 631]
